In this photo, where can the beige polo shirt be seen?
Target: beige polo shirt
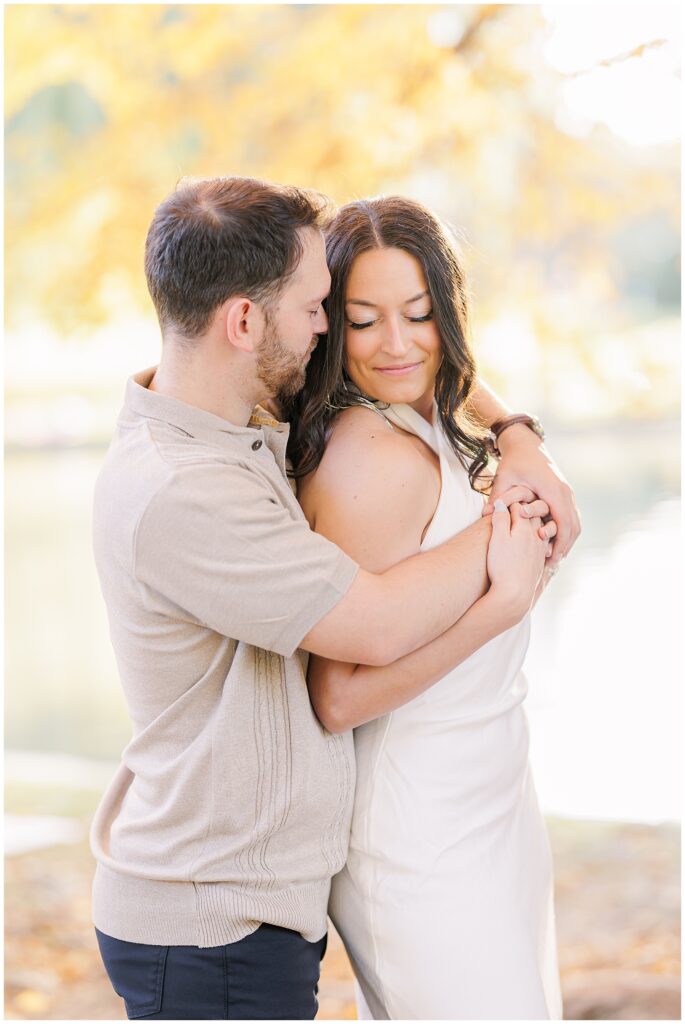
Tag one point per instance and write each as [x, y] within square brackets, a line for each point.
[232, 803]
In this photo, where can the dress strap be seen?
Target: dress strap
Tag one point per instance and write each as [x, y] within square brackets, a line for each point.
[409, 419]
[381, 413]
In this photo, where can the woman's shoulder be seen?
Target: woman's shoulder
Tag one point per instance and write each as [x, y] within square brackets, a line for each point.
[361, 440]
[366, 463]
[372, 493]
[359, 418]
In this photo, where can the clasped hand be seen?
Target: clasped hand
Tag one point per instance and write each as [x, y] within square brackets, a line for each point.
[519, 546]
[527, 463]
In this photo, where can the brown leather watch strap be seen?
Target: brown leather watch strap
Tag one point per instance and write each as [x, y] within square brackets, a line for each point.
[532, 422]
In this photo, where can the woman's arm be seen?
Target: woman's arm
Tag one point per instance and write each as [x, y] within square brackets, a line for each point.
[345, 696]
[374, 501]
[525, 460]
[374, 496]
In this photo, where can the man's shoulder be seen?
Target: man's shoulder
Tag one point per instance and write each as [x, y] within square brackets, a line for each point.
[155, 443]
[156, 484]
[153, 459]
[174, 448]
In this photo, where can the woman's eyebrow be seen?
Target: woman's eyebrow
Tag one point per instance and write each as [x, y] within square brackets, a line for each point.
[407, 302]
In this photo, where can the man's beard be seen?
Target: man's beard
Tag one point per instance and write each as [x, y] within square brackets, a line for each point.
[281, 372]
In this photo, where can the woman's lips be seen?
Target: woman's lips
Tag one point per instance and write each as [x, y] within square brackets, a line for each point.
[397, 371]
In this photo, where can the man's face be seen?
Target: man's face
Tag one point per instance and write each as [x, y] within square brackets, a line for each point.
[293, 324]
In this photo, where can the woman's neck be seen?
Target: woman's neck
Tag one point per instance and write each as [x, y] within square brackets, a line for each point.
[424, 406]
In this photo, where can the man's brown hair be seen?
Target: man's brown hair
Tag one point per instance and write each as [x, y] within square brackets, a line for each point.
[217, 237]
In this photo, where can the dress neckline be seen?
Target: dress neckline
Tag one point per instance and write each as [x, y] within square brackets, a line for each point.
[404, 416]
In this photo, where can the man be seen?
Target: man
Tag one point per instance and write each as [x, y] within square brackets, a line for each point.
[230, 812]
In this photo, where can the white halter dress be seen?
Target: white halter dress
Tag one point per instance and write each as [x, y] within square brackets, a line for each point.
[445, 904]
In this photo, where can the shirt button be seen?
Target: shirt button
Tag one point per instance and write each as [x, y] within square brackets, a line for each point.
[256, 445]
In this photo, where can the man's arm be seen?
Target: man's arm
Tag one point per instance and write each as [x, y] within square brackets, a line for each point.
[525, 461]
[345, 696]
[216, 542]
[368, 500]
[384, 616]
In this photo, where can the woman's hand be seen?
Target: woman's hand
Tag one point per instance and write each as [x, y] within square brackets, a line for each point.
[526, 462]
[531, 508]
[516, 559]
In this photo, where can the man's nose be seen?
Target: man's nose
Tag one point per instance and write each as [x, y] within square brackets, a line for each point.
[321, 321]
[395, 340]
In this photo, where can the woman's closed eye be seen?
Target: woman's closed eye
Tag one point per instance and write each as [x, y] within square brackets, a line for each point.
[410, 319]
[360, 327]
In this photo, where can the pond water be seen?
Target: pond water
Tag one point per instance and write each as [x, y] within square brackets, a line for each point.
[603, 665]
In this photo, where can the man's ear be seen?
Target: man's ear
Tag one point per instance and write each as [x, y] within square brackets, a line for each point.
[243, 322]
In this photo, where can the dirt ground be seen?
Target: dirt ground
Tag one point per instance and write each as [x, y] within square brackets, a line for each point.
[618, 916]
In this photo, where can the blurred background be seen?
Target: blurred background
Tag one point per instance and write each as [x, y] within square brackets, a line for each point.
[548, 137]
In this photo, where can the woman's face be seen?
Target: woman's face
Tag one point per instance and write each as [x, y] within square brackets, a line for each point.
[392, 345]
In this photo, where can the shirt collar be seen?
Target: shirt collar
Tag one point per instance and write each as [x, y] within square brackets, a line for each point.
[261, 417]
[193, 420]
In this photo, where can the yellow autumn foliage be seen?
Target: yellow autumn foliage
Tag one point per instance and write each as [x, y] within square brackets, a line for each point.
[108, 106]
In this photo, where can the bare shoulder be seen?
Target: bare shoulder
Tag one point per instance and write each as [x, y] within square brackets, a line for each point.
[364, 450]
[373, 492]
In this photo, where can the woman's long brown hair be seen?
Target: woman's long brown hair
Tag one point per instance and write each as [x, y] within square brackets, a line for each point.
[389, 222]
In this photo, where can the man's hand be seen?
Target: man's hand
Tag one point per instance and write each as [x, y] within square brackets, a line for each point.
[525, 461]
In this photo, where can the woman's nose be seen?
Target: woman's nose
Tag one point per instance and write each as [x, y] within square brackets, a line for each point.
[395, 341]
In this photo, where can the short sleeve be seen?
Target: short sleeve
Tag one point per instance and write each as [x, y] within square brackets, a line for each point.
[218, 542]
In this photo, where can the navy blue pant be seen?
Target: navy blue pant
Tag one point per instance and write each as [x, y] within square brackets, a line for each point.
[271, 974]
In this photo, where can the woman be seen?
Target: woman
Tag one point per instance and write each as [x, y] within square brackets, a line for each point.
[445, 904]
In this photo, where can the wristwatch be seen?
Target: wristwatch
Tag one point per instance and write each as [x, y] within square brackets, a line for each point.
[532, 422]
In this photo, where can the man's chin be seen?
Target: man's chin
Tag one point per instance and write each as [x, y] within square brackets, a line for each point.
[291, 387]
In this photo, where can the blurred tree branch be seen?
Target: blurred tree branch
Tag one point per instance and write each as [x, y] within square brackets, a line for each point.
[620, 58]
[108, 106]
[481, 15]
